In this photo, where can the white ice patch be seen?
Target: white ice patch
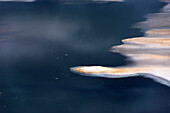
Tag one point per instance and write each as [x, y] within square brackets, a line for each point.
[151, 53]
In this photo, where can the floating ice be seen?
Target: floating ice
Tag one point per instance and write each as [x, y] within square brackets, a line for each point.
[150, 53]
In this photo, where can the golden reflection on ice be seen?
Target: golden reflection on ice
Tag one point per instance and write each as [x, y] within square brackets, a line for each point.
[100, 69]
[150, 54]
[152, 41]
[158, 32]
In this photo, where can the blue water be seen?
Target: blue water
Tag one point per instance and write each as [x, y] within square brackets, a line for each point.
[40, 42]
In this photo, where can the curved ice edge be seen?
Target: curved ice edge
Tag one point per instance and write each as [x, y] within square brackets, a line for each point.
[111, 75]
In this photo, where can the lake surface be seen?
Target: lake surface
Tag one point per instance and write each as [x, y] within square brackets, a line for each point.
[40, 41]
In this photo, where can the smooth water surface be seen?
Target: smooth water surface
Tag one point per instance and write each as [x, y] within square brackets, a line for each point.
[40, 41]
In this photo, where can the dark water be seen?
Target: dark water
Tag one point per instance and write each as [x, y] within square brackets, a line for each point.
[39, 43]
